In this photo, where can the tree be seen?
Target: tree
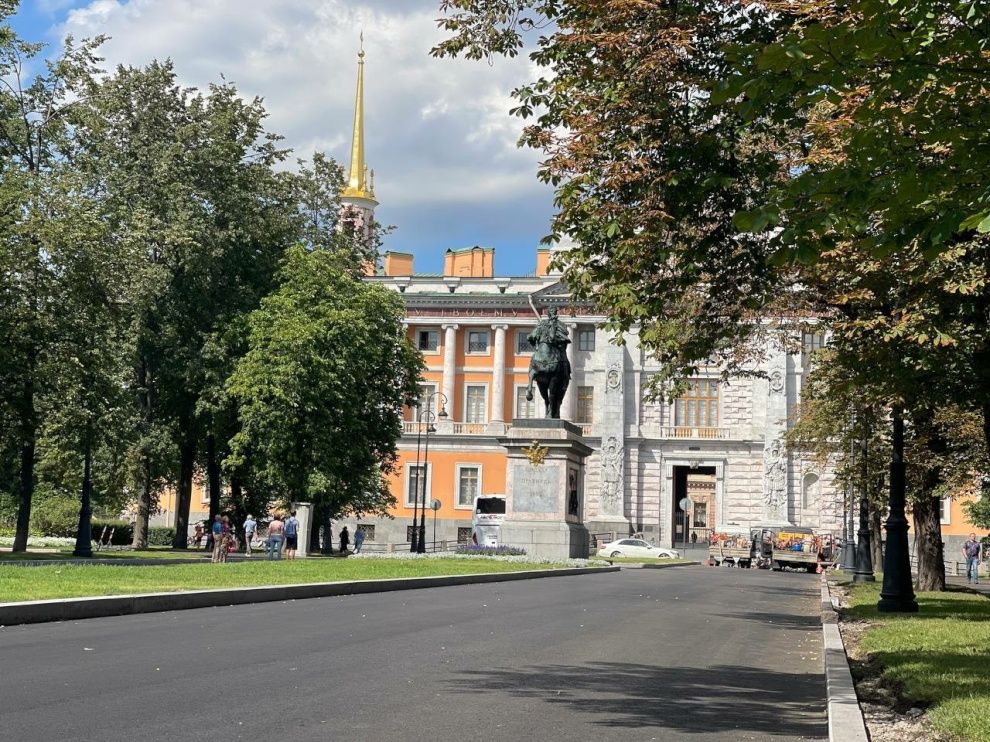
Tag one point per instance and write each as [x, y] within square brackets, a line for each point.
[321, 389]
[34, 138]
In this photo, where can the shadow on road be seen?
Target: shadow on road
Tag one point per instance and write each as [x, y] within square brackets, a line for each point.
[626, 695]
[779, 620]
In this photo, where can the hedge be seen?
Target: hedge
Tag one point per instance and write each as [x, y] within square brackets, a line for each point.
[161, 536]
[123, 533]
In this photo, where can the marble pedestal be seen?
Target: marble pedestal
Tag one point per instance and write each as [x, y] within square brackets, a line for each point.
[545, 488]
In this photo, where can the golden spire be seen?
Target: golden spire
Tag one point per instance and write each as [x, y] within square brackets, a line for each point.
[357, 180]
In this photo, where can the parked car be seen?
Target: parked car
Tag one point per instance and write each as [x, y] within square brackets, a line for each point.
[634, 547]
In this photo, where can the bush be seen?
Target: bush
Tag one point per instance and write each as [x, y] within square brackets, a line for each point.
[56, 516]
[161, 536]
[123, 533]
[476, 550]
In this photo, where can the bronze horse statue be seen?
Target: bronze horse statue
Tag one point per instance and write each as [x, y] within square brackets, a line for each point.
[549, 366]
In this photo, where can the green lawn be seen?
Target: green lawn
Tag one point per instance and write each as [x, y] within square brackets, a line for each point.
[160, 552]
[66, 581]
[939, 657]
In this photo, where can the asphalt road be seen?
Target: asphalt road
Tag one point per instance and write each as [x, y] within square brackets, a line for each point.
[675, 654]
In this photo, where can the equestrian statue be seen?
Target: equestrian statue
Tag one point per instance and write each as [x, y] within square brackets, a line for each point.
[549, 366]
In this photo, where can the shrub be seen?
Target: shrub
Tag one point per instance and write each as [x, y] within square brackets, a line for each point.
[123, 533]
[161, 536]
[56, 516]
[476, 550]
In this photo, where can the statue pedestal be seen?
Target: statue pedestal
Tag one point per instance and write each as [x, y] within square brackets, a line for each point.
[544, 488]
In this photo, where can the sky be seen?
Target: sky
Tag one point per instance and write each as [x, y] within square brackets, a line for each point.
[448, 173]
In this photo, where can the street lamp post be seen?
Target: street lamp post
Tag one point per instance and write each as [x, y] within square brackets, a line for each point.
[419, 431]
[849, 548]
[897, 594]
[421, 544]
[864, 556]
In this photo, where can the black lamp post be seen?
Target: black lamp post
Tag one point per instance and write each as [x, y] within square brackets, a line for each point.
[864, 555]
[421, 543]
[849, 548]
[897, 594]
[419, 431]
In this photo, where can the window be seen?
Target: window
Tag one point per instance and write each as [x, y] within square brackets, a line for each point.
[425, 390]
[477, 341]
[810, 342]
[428, 341]
[945, 505]
[464, 535]
[475, 398]
[524, 408]
[586, 340]
[368, 530]
[811, 487]
[522, 342]
[468, 485]
[700, 517]
[586, 405]
[698, 406]
[417, 481]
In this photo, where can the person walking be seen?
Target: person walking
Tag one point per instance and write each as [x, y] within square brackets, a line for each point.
[345, 539]
[972, 552]
[250, 525]
[217, 533]
[291, 535]
[276, 533]
[358, 540]
[198, 536]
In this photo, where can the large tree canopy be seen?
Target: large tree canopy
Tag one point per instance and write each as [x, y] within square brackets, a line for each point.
[322, 386]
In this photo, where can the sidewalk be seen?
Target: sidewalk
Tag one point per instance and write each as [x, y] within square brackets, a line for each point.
[983, 588]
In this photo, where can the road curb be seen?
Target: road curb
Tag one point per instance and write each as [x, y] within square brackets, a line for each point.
[845, 717]
[72, 609]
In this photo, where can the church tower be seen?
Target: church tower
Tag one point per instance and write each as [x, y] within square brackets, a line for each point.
[357, 199]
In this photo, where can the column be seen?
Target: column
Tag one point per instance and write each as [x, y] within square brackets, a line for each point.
[449, 366]
[498, 377]
[568, 410]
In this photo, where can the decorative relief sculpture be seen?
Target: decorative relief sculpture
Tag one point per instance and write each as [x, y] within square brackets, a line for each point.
[613, 377]
[611, 490]
[536, 453]
[775, 482]
[777, 381]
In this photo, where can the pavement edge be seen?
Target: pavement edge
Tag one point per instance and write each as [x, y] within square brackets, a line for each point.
[72, 609]
[845, 717]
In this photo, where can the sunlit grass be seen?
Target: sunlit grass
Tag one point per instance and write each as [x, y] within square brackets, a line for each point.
[939, 657]
[67, 581]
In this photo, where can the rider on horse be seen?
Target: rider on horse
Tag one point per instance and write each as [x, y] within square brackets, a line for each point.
[549, 366]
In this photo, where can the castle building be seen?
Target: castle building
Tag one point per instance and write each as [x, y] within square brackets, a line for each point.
[719, 445]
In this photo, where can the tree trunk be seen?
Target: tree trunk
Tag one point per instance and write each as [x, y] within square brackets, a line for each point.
[327, 546]
[140, 538]
[213, 475]
[314, 532]
[928, 544]
[28, 428]
[183, 501]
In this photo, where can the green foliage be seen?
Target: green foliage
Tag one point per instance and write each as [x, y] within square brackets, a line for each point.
[160, 536]
[322, 387]
[56, 516]
[123, 532]
[978, 511]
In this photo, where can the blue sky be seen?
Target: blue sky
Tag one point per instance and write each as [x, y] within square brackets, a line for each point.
[447, 171]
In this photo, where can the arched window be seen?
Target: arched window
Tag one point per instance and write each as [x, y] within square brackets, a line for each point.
[812, 486]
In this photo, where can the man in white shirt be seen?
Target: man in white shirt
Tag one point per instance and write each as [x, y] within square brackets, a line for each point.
[250, 526]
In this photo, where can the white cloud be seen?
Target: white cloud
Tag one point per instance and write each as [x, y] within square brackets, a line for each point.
[437, 130]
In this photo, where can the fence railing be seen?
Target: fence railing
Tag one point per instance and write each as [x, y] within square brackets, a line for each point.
[952, 567]
[431, 546]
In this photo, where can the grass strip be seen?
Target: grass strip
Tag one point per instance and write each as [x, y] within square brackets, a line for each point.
[939, 657]
[73, 581]
[152, 553]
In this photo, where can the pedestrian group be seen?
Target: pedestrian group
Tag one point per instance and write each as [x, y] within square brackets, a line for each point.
[282, 537]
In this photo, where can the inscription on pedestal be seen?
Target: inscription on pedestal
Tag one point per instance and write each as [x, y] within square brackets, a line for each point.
[535, 488]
